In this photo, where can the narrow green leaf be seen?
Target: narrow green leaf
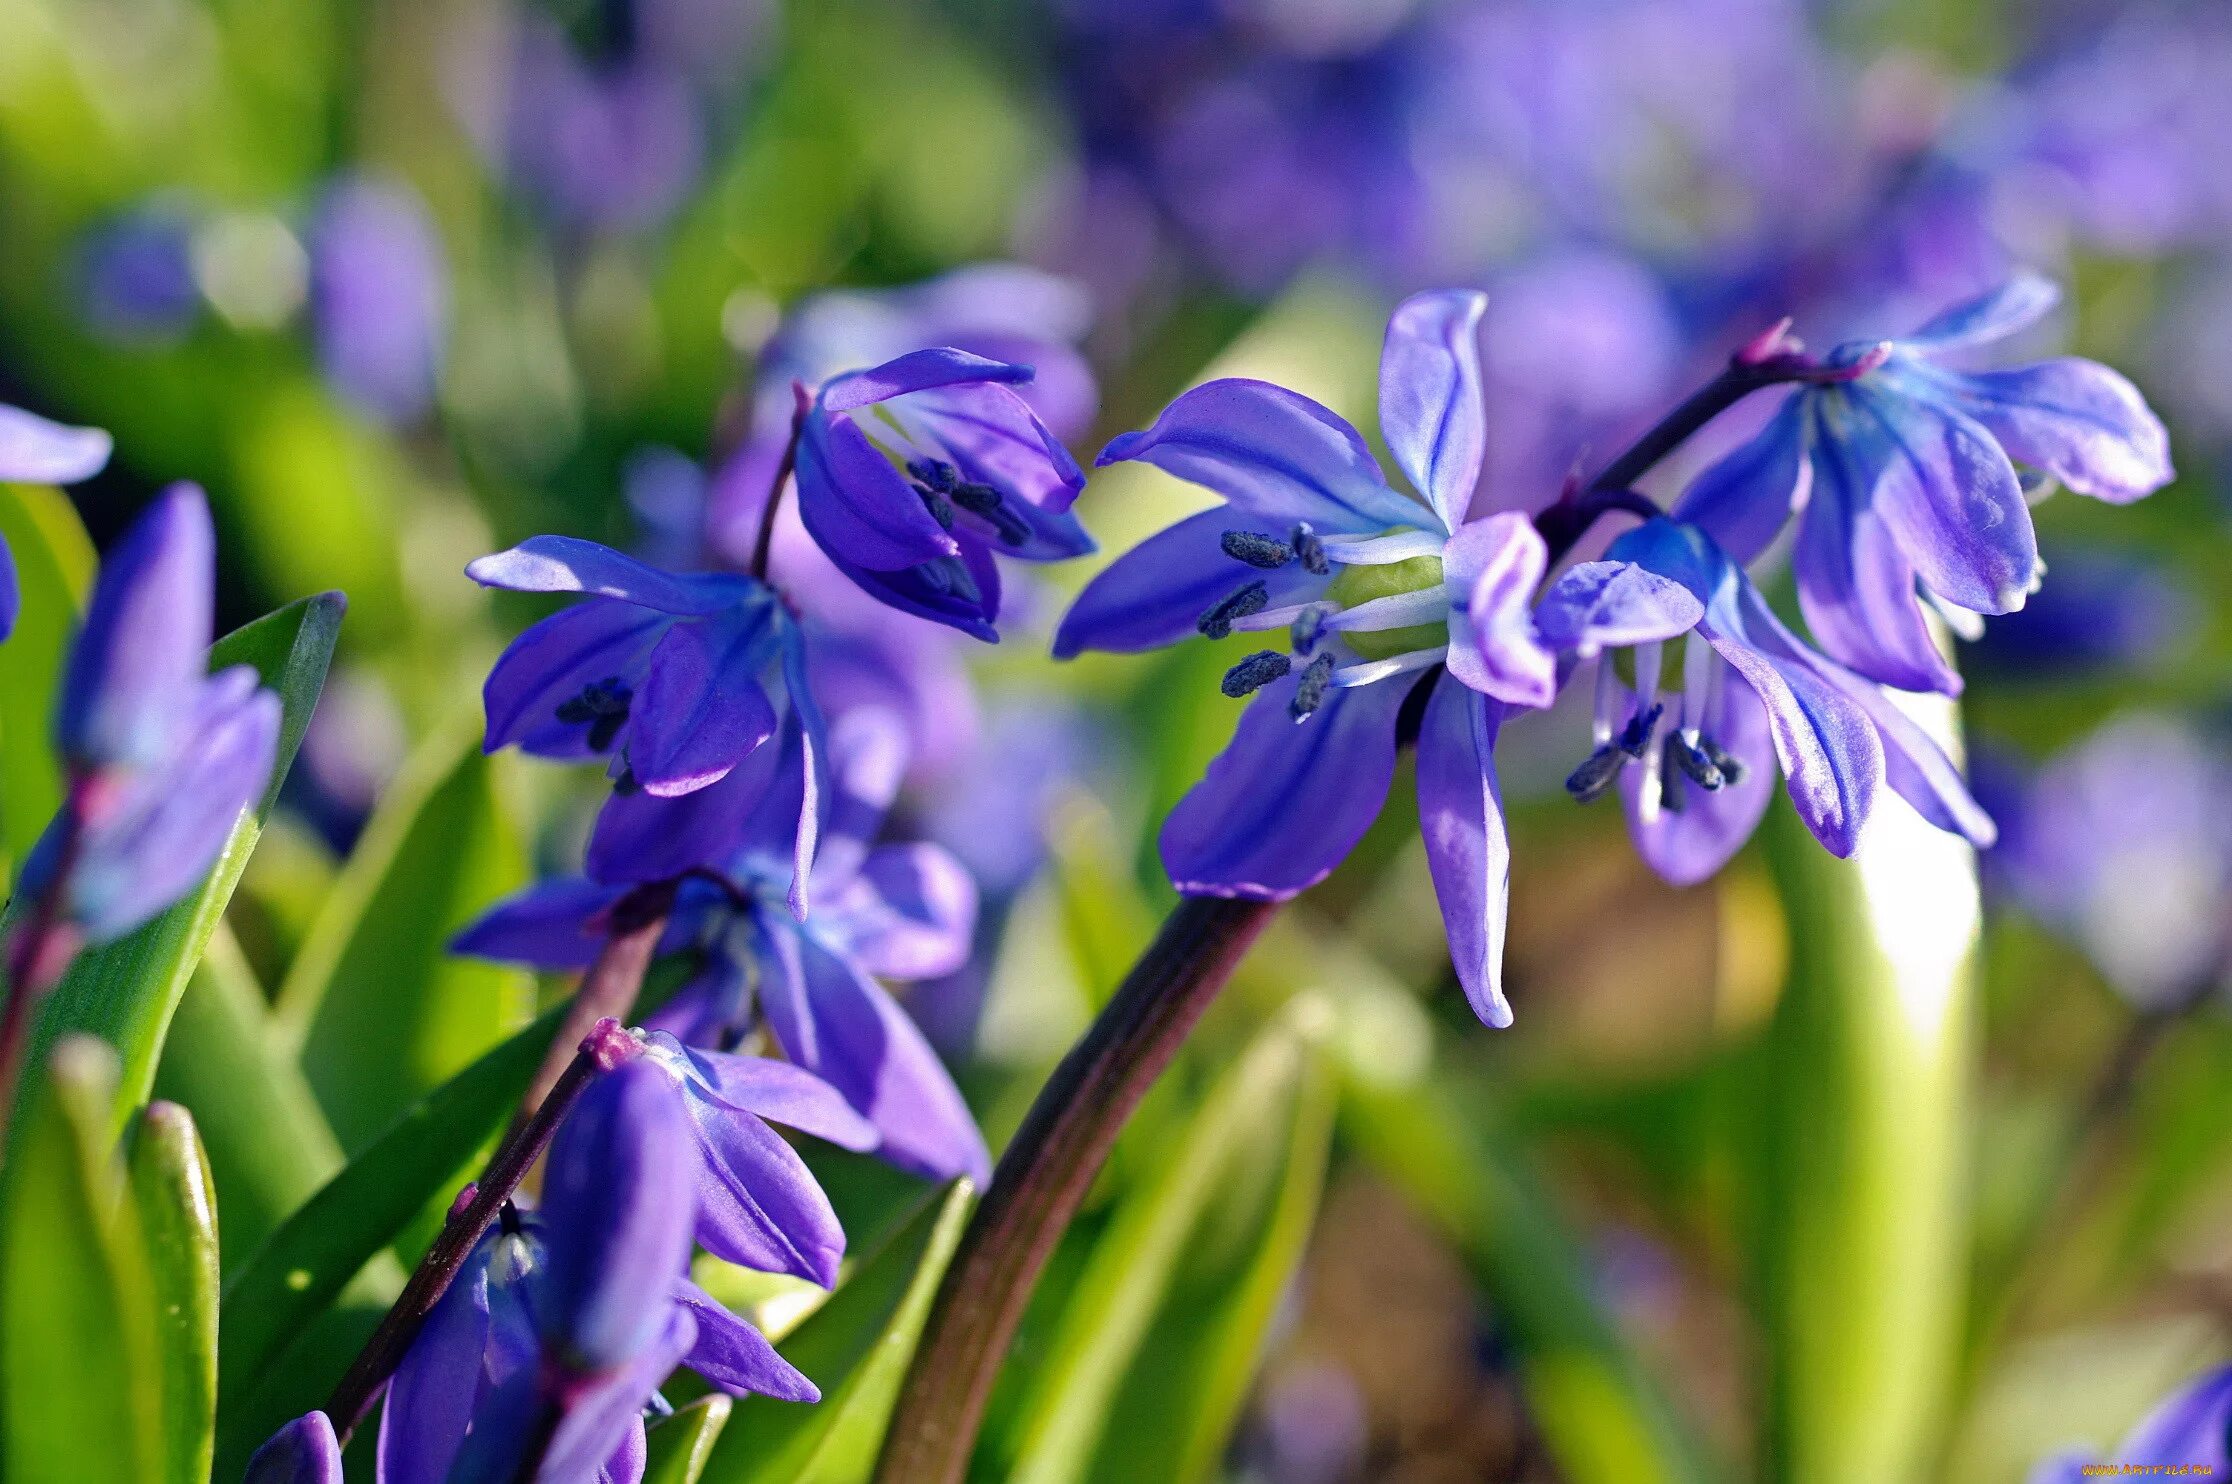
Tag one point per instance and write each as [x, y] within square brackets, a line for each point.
[80, 1386]
[1604, 1418]
[178, 1221]
[1863, 1241]
[307, 1262]
[54, 569]
[268, 1142]
[1181, 1247]
[125, 991]
[856, 1348]
[682, 1445]
[382, 1010]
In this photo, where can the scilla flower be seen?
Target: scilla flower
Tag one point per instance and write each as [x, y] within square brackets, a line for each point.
[2190, 1434]
[1695, 761]
[35, 451]
[1365, 586]
[912, 476]
[901, 912]
[305, 1451]
[1904, 475]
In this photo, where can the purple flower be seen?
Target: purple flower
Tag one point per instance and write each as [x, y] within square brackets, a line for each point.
[378, 296]
[305, 1451]
[580, 1309]
[902, 912]
[2124, 843]
[162, 755]
[1695, 769]
[1907, 480]
[35, 451]
[136, 275]
[911, 476]
[2187, 1433]
[1368, 584]
[666, 675]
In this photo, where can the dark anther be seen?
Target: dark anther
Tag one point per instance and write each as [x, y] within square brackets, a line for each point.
[1308, 628]
[1311, 550]
[985, 501]
[507, 1216]
[1695, 763]
[603, 706]
[1218, 621]
[1256, 550]
[1588, 782]
[1310, 693]
[1636, 735]
[1671, 794]
[936, 473]
[950, 577]
[935, 503]
[1725, 763]
[1255, 672]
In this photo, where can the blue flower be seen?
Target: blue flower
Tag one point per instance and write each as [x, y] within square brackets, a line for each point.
[1367, 584]
[913, 474]
[901, 912]
[379, 296]
[305, 1451]
[665, 675]
[162, 756]
[581, 1308]
[1695, 768]
[1906, 477]
[35, 451]
[2187, 1434]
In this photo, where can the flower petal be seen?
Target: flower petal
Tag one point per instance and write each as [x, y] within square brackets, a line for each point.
[735, 1356]
[2189, 1429]
[910, 914]
[993, 435]
[1856, 585]
[1432, 409]
[1597, 606]
[566, 564]
[133, 665]
[1284, 802]
[2014, 305]
[836, 1021]
[599, 1438]
[2077, 420]
[756, 1202]
[698, 713]
[1275, 455]
[1744, 497]
[430, 1402]
[1950, 498]
[917, 370]
[552, 661]
[1460, 816]
[868, 757]
[305, 1451]
[1688, 845]
[1155, 593]
[779, 1092]
[553, 924]
[35, 451]
[962, 591]
[1919, 771]
[1490, 570]
[858, 506]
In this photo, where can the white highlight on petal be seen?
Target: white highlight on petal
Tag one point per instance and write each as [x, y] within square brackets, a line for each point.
[1402, 664]
[1379, 551]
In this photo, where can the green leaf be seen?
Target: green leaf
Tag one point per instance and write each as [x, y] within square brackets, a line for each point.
[268, 1142]
[1863, 1237]
[681, 1446]
[1150, 1361]
[297, 1274]
[856, 1348]
[80, 1383]
[178, 1221]
[54, 569]
[1603, 1417]
[125, 991]
[381, 1009]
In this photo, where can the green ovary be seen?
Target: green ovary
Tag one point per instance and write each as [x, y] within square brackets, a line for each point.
[1358, 585]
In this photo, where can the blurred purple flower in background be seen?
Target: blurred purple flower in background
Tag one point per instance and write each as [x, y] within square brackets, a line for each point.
[136, 275]
[2099, 608]
[378, 296]
[35, 451]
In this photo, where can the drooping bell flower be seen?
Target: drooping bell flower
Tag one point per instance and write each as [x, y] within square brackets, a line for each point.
[2190, 1433]
[675, 679]
[1695, 760]
[35, 451]
[914, 475]
[899, 912]
[1905, 478]
[579, 1310]
[162, 756]
[1366, 587]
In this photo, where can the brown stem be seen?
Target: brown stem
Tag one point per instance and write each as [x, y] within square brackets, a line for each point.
[38, 953]
[600, 1051]
[762, 543]
[610, 987]
[1044, 1175]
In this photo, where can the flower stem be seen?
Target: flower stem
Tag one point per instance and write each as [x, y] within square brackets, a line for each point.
[765, 541]
[605, 1047]
[38, 953]
[1043, 1177]
[609, 989]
